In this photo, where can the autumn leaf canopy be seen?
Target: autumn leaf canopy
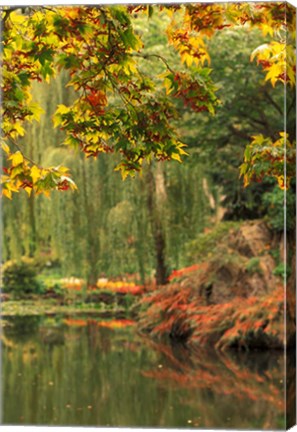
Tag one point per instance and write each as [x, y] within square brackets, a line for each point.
[121, 106]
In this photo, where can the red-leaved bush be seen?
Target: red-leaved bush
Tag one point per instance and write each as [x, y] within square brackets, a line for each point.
[247, 323]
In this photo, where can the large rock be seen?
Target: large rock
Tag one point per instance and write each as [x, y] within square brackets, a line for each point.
[252, 239]
[249, 271]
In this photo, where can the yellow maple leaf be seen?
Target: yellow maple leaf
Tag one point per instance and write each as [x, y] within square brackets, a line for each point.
[28, 190]
[176, 156]
[16, 158]
[5, 148]
[260, 52]
[275, 71]
[187, 58]
[46, 193]
[6, 193]
[35, 173]
[267, 29]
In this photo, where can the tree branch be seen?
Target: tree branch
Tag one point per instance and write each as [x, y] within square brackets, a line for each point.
[239, 133]
[273, 103]
[22, 151]
[292, 104]
[147, 56]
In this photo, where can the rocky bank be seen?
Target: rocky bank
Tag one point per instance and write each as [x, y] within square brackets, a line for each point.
[234, 298]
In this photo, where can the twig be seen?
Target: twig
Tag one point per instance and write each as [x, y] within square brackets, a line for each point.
[22, 151]
[273, 103]
[147, 56]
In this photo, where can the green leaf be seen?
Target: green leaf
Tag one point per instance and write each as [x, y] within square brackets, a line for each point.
[45, 55]
[46, 71]
[129, 39]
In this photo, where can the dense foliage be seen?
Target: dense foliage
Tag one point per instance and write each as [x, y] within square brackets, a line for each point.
[20, 278]
[119, 106]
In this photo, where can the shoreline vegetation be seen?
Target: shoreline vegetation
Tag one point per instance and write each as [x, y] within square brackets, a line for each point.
[234, 300]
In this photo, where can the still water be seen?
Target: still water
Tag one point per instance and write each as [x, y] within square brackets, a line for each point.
[95, 372]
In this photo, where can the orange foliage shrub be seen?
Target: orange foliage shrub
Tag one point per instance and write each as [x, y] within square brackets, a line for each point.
[186, 270]
[245, 323]
[167, 312]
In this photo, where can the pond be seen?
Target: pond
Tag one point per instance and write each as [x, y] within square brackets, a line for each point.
[86, 370]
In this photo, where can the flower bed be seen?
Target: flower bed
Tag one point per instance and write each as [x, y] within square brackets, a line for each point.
[123, 287]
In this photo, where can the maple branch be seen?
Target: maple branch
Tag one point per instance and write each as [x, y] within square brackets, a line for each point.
[22, 151]
[261, 122]
[239, 133]
[125, 101]
[147, 56]
[273, 103]
[48, 9]
[292, 104]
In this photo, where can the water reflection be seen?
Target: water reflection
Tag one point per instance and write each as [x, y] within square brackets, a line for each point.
[65, 371]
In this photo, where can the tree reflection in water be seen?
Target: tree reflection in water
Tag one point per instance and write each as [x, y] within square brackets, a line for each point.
[89, 371]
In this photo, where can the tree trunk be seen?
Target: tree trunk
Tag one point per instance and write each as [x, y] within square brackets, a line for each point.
[291, 282]
[155, 202]
[140, 249]
[32, 221]
[92, 237]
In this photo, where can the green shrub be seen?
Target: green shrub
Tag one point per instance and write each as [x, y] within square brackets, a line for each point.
[253, 265]
[51, 282]
[205, 245]
[20, 277]
[282, 271]
[274, 201]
